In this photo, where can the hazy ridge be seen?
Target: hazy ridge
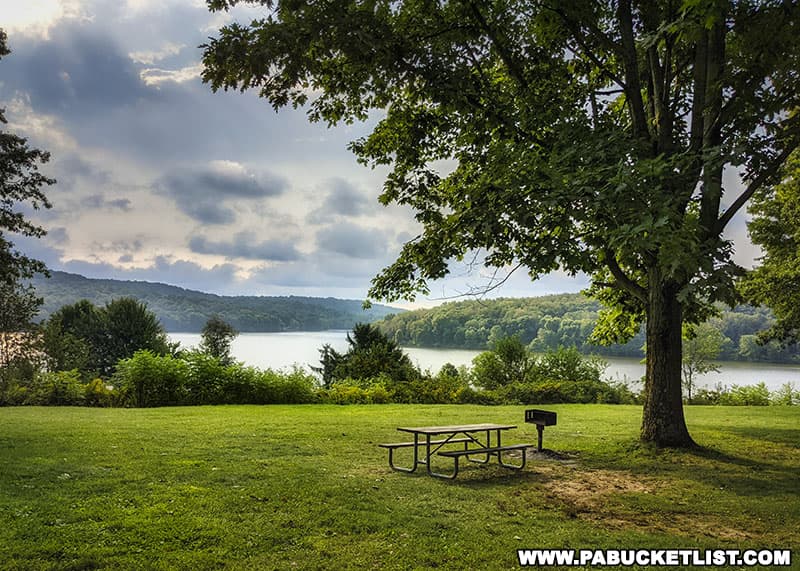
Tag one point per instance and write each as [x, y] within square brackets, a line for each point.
[181, 309]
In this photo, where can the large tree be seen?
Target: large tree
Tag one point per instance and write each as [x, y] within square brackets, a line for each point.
[587, 136]
[94, 339]
[21, 184]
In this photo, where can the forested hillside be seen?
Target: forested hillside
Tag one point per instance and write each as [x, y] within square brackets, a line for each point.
[180, 309]
[545, 323]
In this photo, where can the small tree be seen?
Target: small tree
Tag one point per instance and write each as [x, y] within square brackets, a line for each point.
[329, 359]
[371, 354]
[217, 336]
[507, 362]
[702, 345]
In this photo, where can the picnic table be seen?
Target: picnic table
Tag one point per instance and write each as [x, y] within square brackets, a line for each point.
[476, 438]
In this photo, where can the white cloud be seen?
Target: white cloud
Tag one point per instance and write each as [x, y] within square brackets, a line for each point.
[45, 130]
[149, 57]
[37, 17]
[155, 76]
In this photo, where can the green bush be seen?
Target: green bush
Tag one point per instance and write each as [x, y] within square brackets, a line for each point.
[750, 395]
[344, 393]
[706, 396]
[241, 385]
[61, 388]
[206, 381]
[295, 387]
[147, 380]
[786, 395]
[96, 393]
[568, 364]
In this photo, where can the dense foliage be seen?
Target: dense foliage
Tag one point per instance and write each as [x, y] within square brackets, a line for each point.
[775, 227]
[370, 354]
[21, 183]
[93, 339]
[185, 310]
[567, 320]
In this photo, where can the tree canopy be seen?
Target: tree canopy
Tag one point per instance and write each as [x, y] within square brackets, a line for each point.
[20, 182]
[586, 136]
[217, 336]
[776, 228]
[93, 339]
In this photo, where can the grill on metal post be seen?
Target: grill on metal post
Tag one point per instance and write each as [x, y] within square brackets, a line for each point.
[540, 418]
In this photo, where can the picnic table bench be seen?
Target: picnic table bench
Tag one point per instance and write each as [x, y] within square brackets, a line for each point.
[470, 435]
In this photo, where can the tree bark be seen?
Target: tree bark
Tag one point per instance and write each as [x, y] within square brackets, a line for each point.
[663, 423]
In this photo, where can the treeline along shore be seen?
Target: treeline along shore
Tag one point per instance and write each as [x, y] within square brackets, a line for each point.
[565, 320]
[541, 323]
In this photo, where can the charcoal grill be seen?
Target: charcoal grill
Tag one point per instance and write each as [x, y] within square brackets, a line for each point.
[540, 418]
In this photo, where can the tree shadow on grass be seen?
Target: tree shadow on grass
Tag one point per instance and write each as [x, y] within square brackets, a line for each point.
[739, 475]
[787, 436]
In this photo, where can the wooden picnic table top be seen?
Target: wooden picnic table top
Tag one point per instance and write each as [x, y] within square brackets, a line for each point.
[433, 430]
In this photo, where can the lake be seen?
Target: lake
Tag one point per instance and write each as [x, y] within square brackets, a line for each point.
[282, 350]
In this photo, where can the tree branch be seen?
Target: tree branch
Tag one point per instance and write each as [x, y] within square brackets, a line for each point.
[753, 187]
[623, 281]
[633, 89]
[514, 67]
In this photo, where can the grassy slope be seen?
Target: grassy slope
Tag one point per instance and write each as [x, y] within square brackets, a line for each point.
[305, 487]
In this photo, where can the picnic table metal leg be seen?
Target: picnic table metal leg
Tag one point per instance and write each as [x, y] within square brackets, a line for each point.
[403, 468]
[487, 457]
[504, 464]
[431, 472]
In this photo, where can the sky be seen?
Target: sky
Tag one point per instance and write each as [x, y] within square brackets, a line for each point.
[159, 179]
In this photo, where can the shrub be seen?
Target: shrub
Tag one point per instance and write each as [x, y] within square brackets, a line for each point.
[750, 395]
[568, 364]
[96, 393]
[343, 393]
[786, 395]
[147, 380]
[61, 388]
[206, 379]
[241, 385]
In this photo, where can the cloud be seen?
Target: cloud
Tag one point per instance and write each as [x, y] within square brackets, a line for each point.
[156, 76]
[245, 245]
[149, 57]
[99, 202]
[75, 72]
[353, 241]
[342, 199]
[202, 193]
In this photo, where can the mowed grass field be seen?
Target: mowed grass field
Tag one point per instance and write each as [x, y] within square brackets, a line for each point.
[306, 487]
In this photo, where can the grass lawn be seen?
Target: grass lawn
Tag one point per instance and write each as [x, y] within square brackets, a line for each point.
[306, 487]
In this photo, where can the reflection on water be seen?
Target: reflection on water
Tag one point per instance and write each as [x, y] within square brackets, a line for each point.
[282, 350]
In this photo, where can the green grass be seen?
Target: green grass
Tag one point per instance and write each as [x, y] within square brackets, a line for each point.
[306, 487]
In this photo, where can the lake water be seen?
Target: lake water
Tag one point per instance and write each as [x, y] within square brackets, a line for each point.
[282, 350]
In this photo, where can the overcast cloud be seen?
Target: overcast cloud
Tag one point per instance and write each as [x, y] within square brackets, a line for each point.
[161, 180]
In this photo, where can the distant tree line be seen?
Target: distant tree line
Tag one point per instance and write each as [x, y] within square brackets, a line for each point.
[566, 320]
[185, 310]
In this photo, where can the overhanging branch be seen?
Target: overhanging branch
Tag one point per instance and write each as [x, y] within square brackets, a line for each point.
[623, 281]
[753, 187]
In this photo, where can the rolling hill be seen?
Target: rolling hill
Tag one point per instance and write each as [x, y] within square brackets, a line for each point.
[185, 310]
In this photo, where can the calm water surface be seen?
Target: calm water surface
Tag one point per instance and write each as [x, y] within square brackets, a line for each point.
[282, 350]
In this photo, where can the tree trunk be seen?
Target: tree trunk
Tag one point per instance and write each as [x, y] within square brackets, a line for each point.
[663, 423]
